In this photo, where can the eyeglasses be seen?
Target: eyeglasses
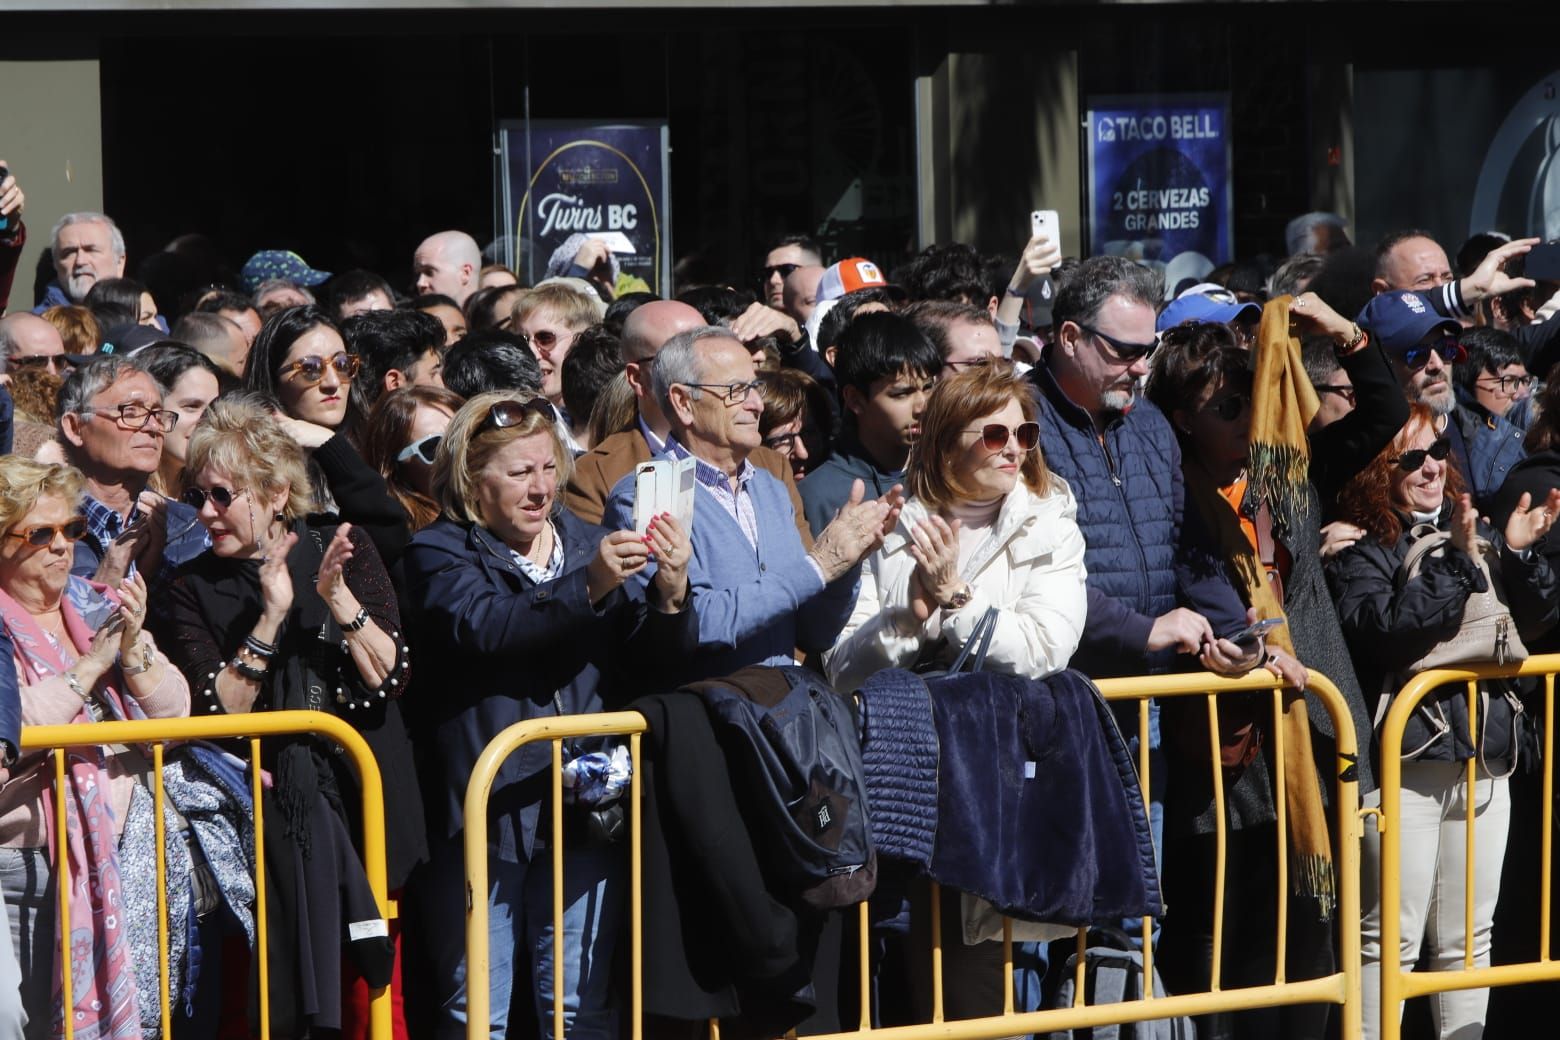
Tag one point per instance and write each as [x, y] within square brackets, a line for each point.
[784, 443]
[1345, 392]
[1411, 461]
[995, 436]
[1119, 349]
[961, 366]
[50, 361]
[425, 449]
[312, 368]
[783, 270]
[730, 393]
[505, 414]
[1508, 384]
[545, 338]
[1449, 350]
[221, 497]
[133, 416]
[1230, 408]
[42, 536]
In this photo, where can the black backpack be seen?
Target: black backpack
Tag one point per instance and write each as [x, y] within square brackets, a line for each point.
[794, 754]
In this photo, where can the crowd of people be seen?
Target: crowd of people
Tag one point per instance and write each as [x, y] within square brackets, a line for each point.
[420, 511]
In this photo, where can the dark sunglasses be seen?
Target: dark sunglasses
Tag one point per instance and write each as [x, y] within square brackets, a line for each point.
[1450, 350]
[995, 436]
[312, 368]
[1120, 349]
[1345, 392]
[195, 497]
[424, 449]
[505, 414]
[37, 361]
[1411, 461]
[1230, 409]
[42, 537]
[783, 270]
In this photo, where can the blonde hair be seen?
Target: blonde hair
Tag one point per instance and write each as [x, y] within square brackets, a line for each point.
[469, 444]
[570, 306]
[23, 482]
[931, 475]
[240, 436]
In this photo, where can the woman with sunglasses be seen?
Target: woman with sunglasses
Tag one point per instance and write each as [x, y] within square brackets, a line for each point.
[529, 612]
[1267, 544]
[300, 360]
[401, 440]
[81, 655]
[289, 610]
[1407, 492]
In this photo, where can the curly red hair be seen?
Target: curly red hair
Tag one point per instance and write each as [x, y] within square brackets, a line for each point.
[1366, 500]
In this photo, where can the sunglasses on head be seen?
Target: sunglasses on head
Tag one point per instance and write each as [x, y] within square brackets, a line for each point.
[505, 414]
[783, 270]
[424, 448]
[995, 436]
[1411, 461]
[42, 536]
[1230, 408]
[312, 368]
[1448, 348]
[195, 497]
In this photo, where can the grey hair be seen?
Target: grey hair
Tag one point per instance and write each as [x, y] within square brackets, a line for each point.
[91, 379]
[1297, 233]
[87, 217]
[281, 283]
[1085, 288]
[1300, 268]
[678, 363]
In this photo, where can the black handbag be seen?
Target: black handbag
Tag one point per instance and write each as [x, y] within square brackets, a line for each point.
[972, 658]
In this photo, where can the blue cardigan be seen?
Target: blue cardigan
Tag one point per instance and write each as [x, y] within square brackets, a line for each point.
[752, 607]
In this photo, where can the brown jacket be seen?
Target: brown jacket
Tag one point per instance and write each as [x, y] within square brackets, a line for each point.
[597, 471]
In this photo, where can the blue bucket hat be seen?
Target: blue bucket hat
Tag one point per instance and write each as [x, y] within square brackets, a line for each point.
[279, 263]
[1206, 302]
[1399, 319]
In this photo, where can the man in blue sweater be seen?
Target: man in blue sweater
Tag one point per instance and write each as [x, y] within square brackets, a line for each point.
[758, 594]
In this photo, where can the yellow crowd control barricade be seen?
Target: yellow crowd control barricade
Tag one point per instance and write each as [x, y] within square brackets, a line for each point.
[1341, 988]
[1398, 985]
[253, 728]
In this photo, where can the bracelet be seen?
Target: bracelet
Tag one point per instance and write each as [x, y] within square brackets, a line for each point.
[247, 670]
[75, 684]
[259, 648]
[148, 659]
[1361, 337]
[357, 622]
[1017, 294]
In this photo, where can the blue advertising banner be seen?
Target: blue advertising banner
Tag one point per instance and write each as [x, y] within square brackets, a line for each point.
[1159, 181]
[607, 181]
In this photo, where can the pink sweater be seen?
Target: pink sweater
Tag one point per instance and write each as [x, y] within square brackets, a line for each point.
[27, 791]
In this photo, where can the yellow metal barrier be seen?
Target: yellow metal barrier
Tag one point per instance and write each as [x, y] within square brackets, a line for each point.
[1396, 984]
[1341, 988]
[253, 727]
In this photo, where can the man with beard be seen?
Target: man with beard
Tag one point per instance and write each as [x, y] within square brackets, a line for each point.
[87, 248]
[1423, 346]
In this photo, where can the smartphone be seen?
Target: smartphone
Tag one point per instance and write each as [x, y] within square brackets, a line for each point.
[5, 221]
[645, 495]
[1248, 636]
[1046, 222]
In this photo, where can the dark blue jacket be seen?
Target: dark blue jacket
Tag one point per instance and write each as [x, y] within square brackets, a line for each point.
[506, 649]
[827, 488]
[1130, 508]
[1493, 446]
[10, 701]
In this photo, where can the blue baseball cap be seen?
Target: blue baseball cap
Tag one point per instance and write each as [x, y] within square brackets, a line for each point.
[1206, 302]
[279, 263]
[1399, 319]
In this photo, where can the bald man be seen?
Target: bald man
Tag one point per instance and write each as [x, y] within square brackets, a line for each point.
[449, 264]
[598, 470]
[26, 339]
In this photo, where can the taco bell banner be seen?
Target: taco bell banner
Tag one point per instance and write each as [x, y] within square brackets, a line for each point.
[1159, 181]
[563, 179]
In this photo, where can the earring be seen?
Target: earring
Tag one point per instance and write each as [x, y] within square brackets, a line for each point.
[280, 518]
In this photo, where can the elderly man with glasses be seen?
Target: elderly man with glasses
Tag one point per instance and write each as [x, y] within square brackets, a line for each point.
[112, 424]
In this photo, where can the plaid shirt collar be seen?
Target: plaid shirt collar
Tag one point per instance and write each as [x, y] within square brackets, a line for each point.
[105, 524]
[708, 475]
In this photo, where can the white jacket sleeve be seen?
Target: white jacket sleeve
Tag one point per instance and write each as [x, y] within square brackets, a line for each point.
[882, 631]
[1036, 635]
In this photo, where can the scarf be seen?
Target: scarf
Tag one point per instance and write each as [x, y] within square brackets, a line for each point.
[1282, 405]
[103, 985]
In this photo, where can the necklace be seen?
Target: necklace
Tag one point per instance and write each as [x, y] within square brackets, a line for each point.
[541, 547]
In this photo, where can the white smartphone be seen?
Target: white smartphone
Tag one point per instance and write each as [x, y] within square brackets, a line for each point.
[1046, 222]
[645, 495]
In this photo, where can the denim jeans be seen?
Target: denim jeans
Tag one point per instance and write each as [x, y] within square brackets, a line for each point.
[520, 926]
[31, 907]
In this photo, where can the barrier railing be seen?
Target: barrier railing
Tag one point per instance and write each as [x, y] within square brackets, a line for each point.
[1341, 988]
[1398, 985]
[253, 727]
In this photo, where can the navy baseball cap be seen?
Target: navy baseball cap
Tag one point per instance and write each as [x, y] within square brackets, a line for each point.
[279, 263]
[1399, 319]
[1206, 302]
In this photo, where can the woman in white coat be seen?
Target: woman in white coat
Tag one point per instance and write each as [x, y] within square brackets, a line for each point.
[986, 525]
